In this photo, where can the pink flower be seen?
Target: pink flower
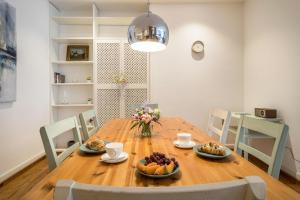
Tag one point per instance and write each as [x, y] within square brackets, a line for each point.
[136, 116]
[147, 118]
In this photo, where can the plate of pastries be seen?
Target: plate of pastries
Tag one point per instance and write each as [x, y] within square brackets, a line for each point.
[94, 146]
[212, 150]
[157, 165]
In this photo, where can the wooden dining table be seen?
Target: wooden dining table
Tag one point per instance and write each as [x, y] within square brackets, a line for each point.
[86, 168]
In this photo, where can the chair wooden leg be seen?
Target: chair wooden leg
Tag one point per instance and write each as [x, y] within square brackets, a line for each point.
[247, 143]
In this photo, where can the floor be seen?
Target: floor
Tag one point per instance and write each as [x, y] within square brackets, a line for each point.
[17, 186]
[284, 178]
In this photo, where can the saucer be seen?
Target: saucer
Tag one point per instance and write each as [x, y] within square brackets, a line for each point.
[105, 158]
[190, 145]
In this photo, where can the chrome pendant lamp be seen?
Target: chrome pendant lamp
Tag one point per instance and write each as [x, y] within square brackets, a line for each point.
[148, 33]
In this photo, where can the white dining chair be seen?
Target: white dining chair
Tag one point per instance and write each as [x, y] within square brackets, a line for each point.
[133, 107]
[89, 123]
[151, 105]
[248, 188]
[145, 105]
[233, 128]
[49, 132]
[222, 130]
[277, 131]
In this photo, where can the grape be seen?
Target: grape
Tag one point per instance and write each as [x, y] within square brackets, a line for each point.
[160, 159]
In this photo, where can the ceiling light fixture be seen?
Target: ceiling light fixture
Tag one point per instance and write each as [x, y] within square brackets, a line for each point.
[148, 33]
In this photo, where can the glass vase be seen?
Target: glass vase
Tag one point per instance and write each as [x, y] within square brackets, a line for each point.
[146, 130]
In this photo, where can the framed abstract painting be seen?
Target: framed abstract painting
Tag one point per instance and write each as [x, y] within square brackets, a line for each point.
[8, 52]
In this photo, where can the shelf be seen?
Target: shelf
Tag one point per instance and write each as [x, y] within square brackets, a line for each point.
[73, 40]
[72, 105]
[108, 21]
[73, 20]
[72, 84]
[72, 62]
[114, 21]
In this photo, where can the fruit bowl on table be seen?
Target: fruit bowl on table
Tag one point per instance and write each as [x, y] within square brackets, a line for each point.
[158, 166]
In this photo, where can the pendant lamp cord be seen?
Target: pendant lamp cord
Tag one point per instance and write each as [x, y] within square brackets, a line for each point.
[148, 5]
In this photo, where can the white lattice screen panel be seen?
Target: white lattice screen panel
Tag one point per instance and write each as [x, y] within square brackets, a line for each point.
[108, 104]
[134, 97]
[135, 65]
[114, 58]
[108, 62]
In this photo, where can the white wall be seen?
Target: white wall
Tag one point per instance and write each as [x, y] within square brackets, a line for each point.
[187, 87]
[20, 121]
[183, 86]
[272, 64]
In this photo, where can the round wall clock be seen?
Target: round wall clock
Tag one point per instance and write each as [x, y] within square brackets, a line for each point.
[198, 47]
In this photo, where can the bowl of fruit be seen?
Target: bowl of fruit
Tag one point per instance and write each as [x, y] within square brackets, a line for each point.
[157, 165]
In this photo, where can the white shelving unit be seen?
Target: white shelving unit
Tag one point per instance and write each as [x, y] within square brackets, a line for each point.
[73, 20]
[113, 21]
[73, 40]
[70, 98]
[86, 27]
[63, 62]
[73, 105]
[71, 84]
[109, 21]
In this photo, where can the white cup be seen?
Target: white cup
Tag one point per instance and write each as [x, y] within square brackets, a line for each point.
[184, 138]
[114, 149]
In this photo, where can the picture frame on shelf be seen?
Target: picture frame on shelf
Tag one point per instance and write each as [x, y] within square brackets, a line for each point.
[77, 53]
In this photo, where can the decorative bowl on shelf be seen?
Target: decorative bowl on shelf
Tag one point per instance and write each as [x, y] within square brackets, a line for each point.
[89, 79]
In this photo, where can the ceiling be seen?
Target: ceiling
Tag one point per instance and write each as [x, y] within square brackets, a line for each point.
[124, 4]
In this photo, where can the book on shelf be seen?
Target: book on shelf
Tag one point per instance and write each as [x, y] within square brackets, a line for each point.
[59, 78]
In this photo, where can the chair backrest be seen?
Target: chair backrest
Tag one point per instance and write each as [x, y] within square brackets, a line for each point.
[151, 105]
[275, 130]
[221, 131]
[249, 188]
[49, 132]
[88, 118]
[144, 105]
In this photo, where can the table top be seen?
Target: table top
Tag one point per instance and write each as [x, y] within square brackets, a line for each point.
[193, 169]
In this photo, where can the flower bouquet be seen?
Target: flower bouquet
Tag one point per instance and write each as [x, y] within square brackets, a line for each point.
[144, 119]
